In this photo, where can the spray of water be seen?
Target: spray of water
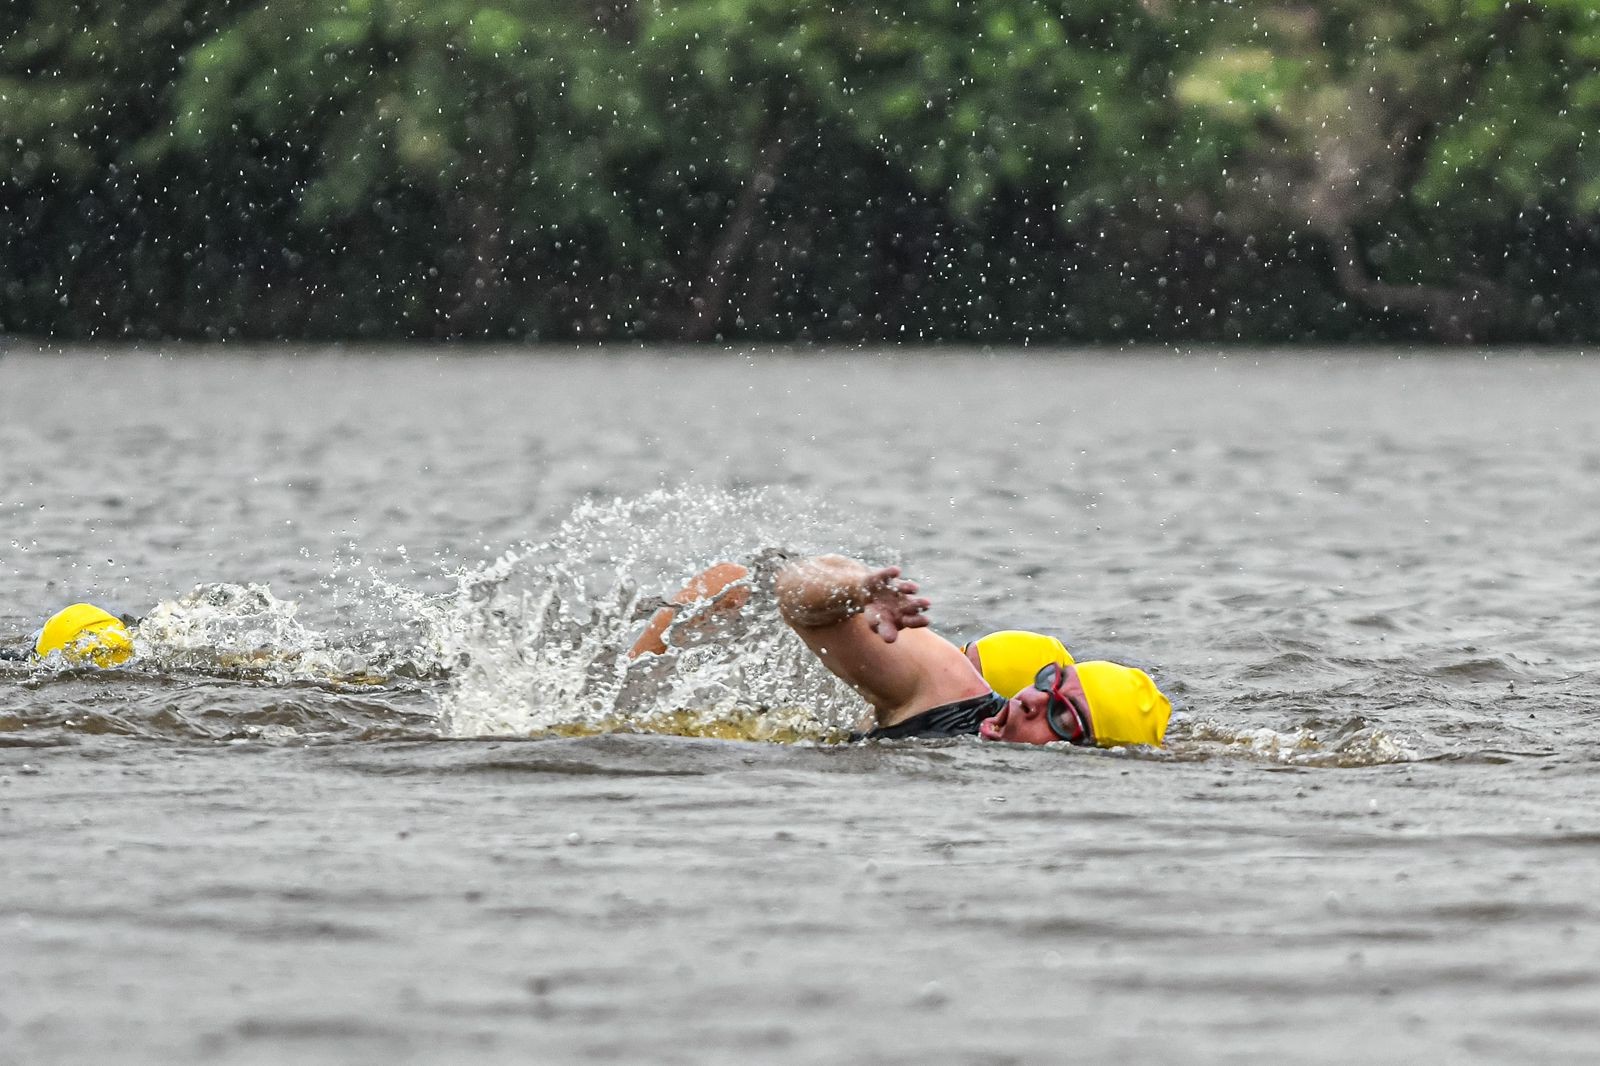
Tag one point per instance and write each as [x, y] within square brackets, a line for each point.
[243, 629]
[537, 640]
[533, 643]
[1355, 742]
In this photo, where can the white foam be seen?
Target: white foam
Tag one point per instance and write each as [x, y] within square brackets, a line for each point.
[222, 626]
[1353, 744]
[538, 638]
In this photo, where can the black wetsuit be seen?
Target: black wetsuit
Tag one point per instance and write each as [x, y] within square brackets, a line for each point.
[950, 720]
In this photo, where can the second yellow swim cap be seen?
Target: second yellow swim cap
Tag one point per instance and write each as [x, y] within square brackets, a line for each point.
[1010, 659]
[83, 633]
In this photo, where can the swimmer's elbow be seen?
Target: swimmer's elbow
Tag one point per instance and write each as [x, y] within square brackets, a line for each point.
[820, 591]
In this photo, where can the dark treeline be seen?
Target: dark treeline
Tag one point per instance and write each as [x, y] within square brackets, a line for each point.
[1004, 170]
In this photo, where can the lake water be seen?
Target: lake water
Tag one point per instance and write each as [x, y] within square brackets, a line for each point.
[378, 788]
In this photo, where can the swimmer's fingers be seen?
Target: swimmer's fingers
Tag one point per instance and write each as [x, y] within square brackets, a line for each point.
[889, 628]
[915, 622]
[884, 578]
[888, 617]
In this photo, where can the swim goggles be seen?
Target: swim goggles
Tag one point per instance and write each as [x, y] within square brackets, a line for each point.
[1068, 711]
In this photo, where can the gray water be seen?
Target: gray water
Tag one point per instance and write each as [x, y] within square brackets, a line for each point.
[378, 788]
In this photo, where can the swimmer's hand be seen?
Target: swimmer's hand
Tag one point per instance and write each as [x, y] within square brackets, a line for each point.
[893, 604]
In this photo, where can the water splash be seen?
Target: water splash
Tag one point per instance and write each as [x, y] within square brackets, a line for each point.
[243, 629]
[1352, 743]
[530, 644]
[538, 638]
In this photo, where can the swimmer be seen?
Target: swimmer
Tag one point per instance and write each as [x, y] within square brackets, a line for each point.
[82, 634]
[870, 628]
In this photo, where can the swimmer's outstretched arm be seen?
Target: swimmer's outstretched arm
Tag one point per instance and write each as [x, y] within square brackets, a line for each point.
[828, 589]
[869, 628]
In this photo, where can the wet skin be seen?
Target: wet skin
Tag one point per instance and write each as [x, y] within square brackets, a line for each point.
[1022, 720]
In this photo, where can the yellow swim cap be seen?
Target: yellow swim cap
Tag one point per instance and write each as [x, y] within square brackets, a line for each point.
[83, 633]
[1009, 659]
[1125, 705]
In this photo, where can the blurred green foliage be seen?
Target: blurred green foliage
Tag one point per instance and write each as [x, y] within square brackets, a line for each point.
[1006, 171]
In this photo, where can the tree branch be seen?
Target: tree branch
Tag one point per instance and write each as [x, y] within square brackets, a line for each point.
[708, 304]
[1452, 314]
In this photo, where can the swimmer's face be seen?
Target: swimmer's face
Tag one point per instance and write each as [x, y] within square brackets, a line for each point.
[1053, 709]
[1023, 720]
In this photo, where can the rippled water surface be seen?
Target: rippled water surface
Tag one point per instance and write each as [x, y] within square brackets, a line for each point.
[378, 786]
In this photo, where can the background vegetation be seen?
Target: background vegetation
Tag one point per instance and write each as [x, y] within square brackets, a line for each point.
[973, 170]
